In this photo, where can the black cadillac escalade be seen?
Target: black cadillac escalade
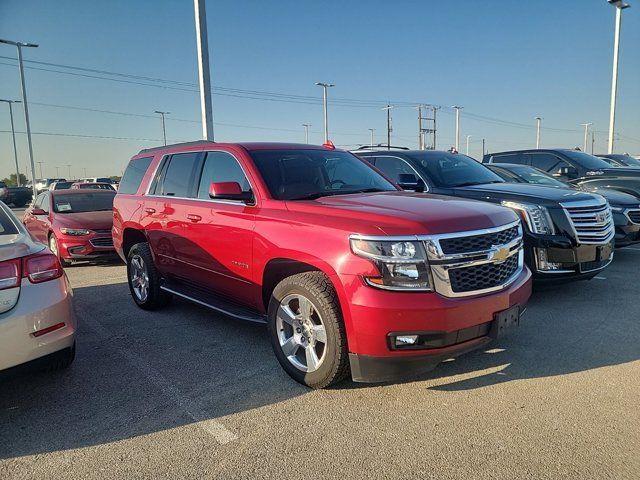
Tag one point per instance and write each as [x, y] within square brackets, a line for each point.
[568, 234]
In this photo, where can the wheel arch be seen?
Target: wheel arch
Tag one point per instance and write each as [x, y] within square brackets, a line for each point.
[131, 236]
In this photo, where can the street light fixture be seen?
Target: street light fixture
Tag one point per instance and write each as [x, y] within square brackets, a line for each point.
[325, 86]
[164, 131]
[13, 134]
[19, 46]
[620, 5]
[538, 120]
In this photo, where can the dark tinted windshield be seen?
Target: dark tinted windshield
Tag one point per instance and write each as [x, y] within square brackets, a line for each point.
[585, 160]
[62, 185]
[448, 170]
[537, 177]
[83, 202]
[300, 174]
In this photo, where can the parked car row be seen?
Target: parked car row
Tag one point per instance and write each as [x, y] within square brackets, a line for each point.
[376, 264]
[49, 184]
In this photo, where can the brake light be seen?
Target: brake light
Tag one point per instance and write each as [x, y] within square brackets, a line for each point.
[42, 267]
[329, 145]
[10, 274]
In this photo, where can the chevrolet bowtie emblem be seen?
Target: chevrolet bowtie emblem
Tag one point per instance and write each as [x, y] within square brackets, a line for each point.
[499, 254]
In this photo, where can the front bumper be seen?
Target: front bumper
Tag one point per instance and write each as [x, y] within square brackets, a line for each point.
[39, 306]
[376, 313]
[627, 232]
[83, 248]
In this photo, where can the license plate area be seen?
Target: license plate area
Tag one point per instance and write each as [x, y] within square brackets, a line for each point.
[504, 320]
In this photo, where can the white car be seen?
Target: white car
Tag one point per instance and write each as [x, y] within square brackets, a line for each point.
[37, 321]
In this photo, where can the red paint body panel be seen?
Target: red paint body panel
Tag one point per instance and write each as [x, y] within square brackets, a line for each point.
[231, 244]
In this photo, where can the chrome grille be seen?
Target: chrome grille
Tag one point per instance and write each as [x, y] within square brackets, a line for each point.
[483, 266]
[591, 220]
[634, 215]
[102, 242]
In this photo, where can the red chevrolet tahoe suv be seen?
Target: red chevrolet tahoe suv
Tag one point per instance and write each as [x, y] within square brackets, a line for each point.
[349, 273]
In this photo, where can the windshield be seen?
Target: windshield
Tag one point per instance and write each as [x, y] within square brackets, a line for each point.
[585, 160]
[625, 160]
[83, 202]
[308, 174]
[537, 177]
[447, 170]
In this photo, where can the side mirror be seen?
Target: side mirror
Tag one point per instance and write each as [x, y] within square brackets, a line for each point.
[408, 181]
[229, 191]
[568, 172]
[38, 211]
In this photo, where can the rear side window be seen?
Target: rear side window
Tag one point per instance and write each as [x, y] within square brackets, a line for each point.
[221, 167]
[393, 167]
[7, 227]
[179, 175]
[545, 161]
[510, 158]
[134, 174]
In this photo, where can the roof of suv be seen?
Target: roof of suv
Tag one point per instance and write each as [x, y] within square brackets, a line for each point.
[246, 145]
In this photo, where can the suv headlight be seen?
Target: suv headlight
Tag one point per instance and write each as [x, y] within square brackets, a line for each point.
[76, 232]
[536, 218]
[402, 264]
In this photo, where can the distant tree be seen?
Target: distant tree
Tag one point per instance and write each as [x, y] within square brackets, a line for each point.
[11, 181]
[115, 178]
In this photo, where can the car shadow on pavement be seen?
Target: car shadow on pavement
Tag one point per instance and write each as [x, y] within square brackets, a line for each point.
[567, 328]
[139, 372]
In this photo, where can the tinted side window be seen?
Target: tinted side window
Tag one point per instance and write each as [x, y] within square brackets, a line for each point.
[134, 174]
[544, 161]
[393, 167]
[179, 175]
[221, 167]
[509, 158]
[44, 201]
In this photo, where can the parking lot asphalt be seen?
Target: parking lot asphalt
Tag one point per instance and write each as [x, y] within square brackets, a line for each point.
[187, 393]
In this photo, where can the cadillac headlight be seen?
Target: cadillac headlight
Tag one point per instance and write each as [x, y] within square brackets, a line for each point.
[402, 264]
[535, 217]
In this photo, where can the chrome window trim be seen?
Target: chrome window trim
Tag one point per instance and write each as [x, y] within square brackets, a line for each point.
[427, 188]
[211, 200]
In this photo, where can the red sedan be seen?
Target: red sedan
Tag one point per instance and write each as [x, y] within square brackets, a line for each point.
[76, 224]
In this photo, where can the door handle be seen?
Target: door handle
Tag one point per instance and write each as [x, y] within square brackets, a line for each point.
[150, 210]
[193, 217]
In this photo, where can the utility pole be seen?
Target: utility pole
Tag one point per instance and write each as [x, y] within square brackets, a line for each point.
[457, 108]
[325, 86]
[23, 87]
[306, 132]
[164, 130]
[372, 130]
[620, 5]
[420, 132]
[593, 140]
[69, 170]
[538, 120]
[40, 165]
[84, 169]
[586, 135]
[483, 150]
[13, 134]
[204, 73]
[57, 172]
[467, 149]
[389, 127]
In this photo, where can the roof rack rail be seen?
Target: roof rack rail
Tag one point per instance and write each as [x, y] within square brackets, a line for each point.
[382, 145]
[183, 144]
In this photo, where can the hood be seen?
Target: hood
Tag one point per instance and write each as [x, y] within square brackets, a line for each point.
[90, 220]
[538, 194]
[617, 172]
[614, 197]
[401, 213]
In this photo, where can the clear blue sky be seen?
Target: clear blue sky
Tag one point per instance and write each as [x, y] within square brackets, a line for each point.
[507, 60]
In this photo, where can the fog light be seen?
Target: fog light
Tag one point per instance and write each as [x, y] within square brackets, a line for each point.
[543, 264]
[406, 340]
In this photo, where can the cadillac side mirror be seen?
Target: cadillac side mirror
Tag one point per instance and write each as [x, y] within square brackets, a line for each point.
[229, 191]
[408, 181]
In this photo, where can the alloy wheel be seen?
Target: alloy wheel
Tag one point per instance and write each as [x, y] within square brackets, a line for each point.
[139, 278]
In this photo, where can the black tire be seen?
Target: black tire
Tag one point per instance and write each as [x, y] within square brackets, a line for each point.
[318, 289]
[61, 360]
[53, 246]
[156, 297]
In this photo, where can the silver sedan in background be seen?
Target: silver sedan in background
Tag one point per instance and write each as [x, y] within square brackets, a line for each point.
[37, 321]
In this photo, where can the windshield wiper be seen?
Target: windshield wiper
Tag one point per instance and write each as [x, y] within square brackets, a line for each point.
[364, 190]
[471, 184]
[315, 195]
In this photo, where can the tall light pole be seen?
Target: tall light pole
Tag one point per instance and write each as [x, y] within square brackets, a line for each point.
[69, 170]
[325, 86]
[40, 166]
[457, 108]
[620, 5]
[57, 172]
[23, 87]
[372, 130]
[13, 134]
[586, 134]
[467, 149]
[389, 126]
[164, 130]
[204, 74]
[538, 120]
[306, 132]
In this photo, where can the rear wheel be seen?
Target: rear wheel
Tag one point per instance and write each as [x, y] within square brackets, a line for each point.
[306, 330]
[144, 279]
[53, 246]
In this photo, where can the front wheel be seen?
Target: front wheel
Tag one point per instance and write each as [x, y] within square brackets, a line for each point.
[306, 330]
[144, 279]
